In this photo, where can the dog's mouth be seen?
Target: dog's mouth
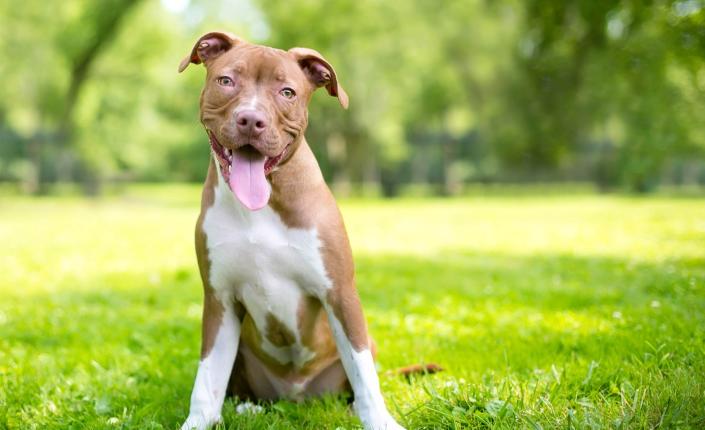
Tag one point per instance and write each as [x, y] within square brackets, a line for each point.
[245, 170]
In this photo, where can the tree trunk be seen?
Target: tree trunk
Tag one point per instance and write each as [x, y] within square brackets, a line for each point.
[107, 17]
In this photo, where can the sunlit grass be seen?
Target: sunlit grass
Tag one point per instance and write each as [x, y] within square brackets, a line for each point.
[547, 312]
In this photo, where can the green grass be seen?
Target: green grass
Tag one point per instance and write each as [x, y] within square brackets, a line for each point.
[547, 312]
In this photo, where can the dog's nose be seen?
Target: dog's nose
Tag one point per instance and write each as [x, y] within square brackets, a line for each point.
[251, 122]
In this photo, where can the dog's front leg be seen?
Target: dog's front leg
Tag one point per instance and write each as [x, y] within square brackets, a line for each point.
[221, 335]
[347, 322]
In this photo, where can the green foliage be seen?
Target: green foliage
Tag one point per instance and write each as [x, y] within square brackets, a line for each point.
[546, 312]
[614, 73]
[466, 91]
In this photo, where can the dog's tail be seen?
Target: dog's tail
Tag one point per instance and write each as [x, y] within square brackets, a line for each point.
[416, 369]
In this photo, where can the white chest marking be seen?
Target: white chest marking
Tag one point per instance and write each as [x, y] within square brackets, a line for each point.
[267, 266]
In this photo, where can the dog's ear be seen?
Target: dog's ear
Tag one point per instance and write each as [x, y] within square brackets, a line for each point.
[208, 47]
[320, 72]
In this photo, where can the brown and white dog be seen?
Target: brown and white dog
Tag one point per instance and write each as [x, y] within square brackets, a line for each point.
[281, 316]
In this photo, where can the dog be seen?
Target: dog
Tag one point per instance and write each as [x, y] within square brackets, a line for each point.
[281, 315]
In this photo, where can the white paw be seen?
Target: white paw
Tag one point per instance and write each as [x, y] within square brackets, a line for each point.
[248, 408]
[382, 421]
[200, 421]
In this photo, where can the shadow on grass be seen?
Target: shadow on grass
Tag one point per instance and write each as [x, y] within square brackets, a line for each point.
[126, 346]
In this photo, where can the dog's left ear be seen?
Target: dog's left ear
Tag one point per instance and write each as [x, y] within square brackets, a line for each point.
[209, 46]
[320, 73]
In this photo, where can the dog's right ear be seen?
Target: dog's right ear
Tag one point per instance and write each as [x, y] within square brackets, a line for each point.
[208, 47]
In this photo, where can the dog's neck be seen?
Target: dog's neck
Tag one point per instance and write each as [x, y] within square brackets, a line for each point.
[296, 186]
[299, 172]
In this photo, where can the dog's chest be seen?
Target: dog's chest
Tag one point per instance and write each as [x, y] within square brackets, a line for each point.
[259, 261]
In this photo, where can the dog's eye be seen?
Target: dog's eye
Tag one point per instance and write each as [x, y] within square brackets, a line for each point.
[225, 81]
[288, 93]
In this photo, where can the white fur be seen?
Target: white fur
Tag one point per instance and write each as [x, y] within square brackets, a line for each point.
[213, 374]
[268, 267]
[251, 104]
[360, 369]
[248, 408]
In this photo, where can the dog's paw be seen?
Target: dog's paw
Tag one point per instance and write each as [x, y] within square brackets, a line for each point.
[248, 408]
[374, 414]
[380, 422]
[200, 422]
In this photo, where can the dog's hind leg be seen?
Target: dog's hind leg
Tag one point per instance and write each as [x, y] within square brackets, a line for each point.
[331, 380]
[238, 386]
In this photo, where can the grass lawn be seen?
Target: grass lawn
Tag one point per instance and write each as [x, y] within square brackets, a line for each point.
[547, 312]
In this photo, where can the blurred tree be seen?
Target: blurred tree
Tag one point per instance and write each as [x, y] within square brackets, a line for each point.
[604, 72]
[70, 41]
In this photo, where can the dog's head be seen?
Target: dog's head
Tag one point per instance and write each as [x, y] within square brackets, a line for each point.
[254, 106]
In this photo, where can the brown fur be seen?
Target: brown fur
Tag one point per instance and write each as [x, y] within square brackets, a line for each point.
[212, 308]
[303, 200]
[277, 333]
[300, 197]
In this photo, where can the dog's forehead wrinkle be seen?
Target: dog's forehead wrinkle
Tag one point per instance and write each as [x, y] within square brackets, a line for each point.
[250, 56]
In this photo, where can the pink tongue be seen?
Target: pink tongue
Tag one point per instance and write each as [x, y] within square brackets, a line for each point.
[247, 179]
